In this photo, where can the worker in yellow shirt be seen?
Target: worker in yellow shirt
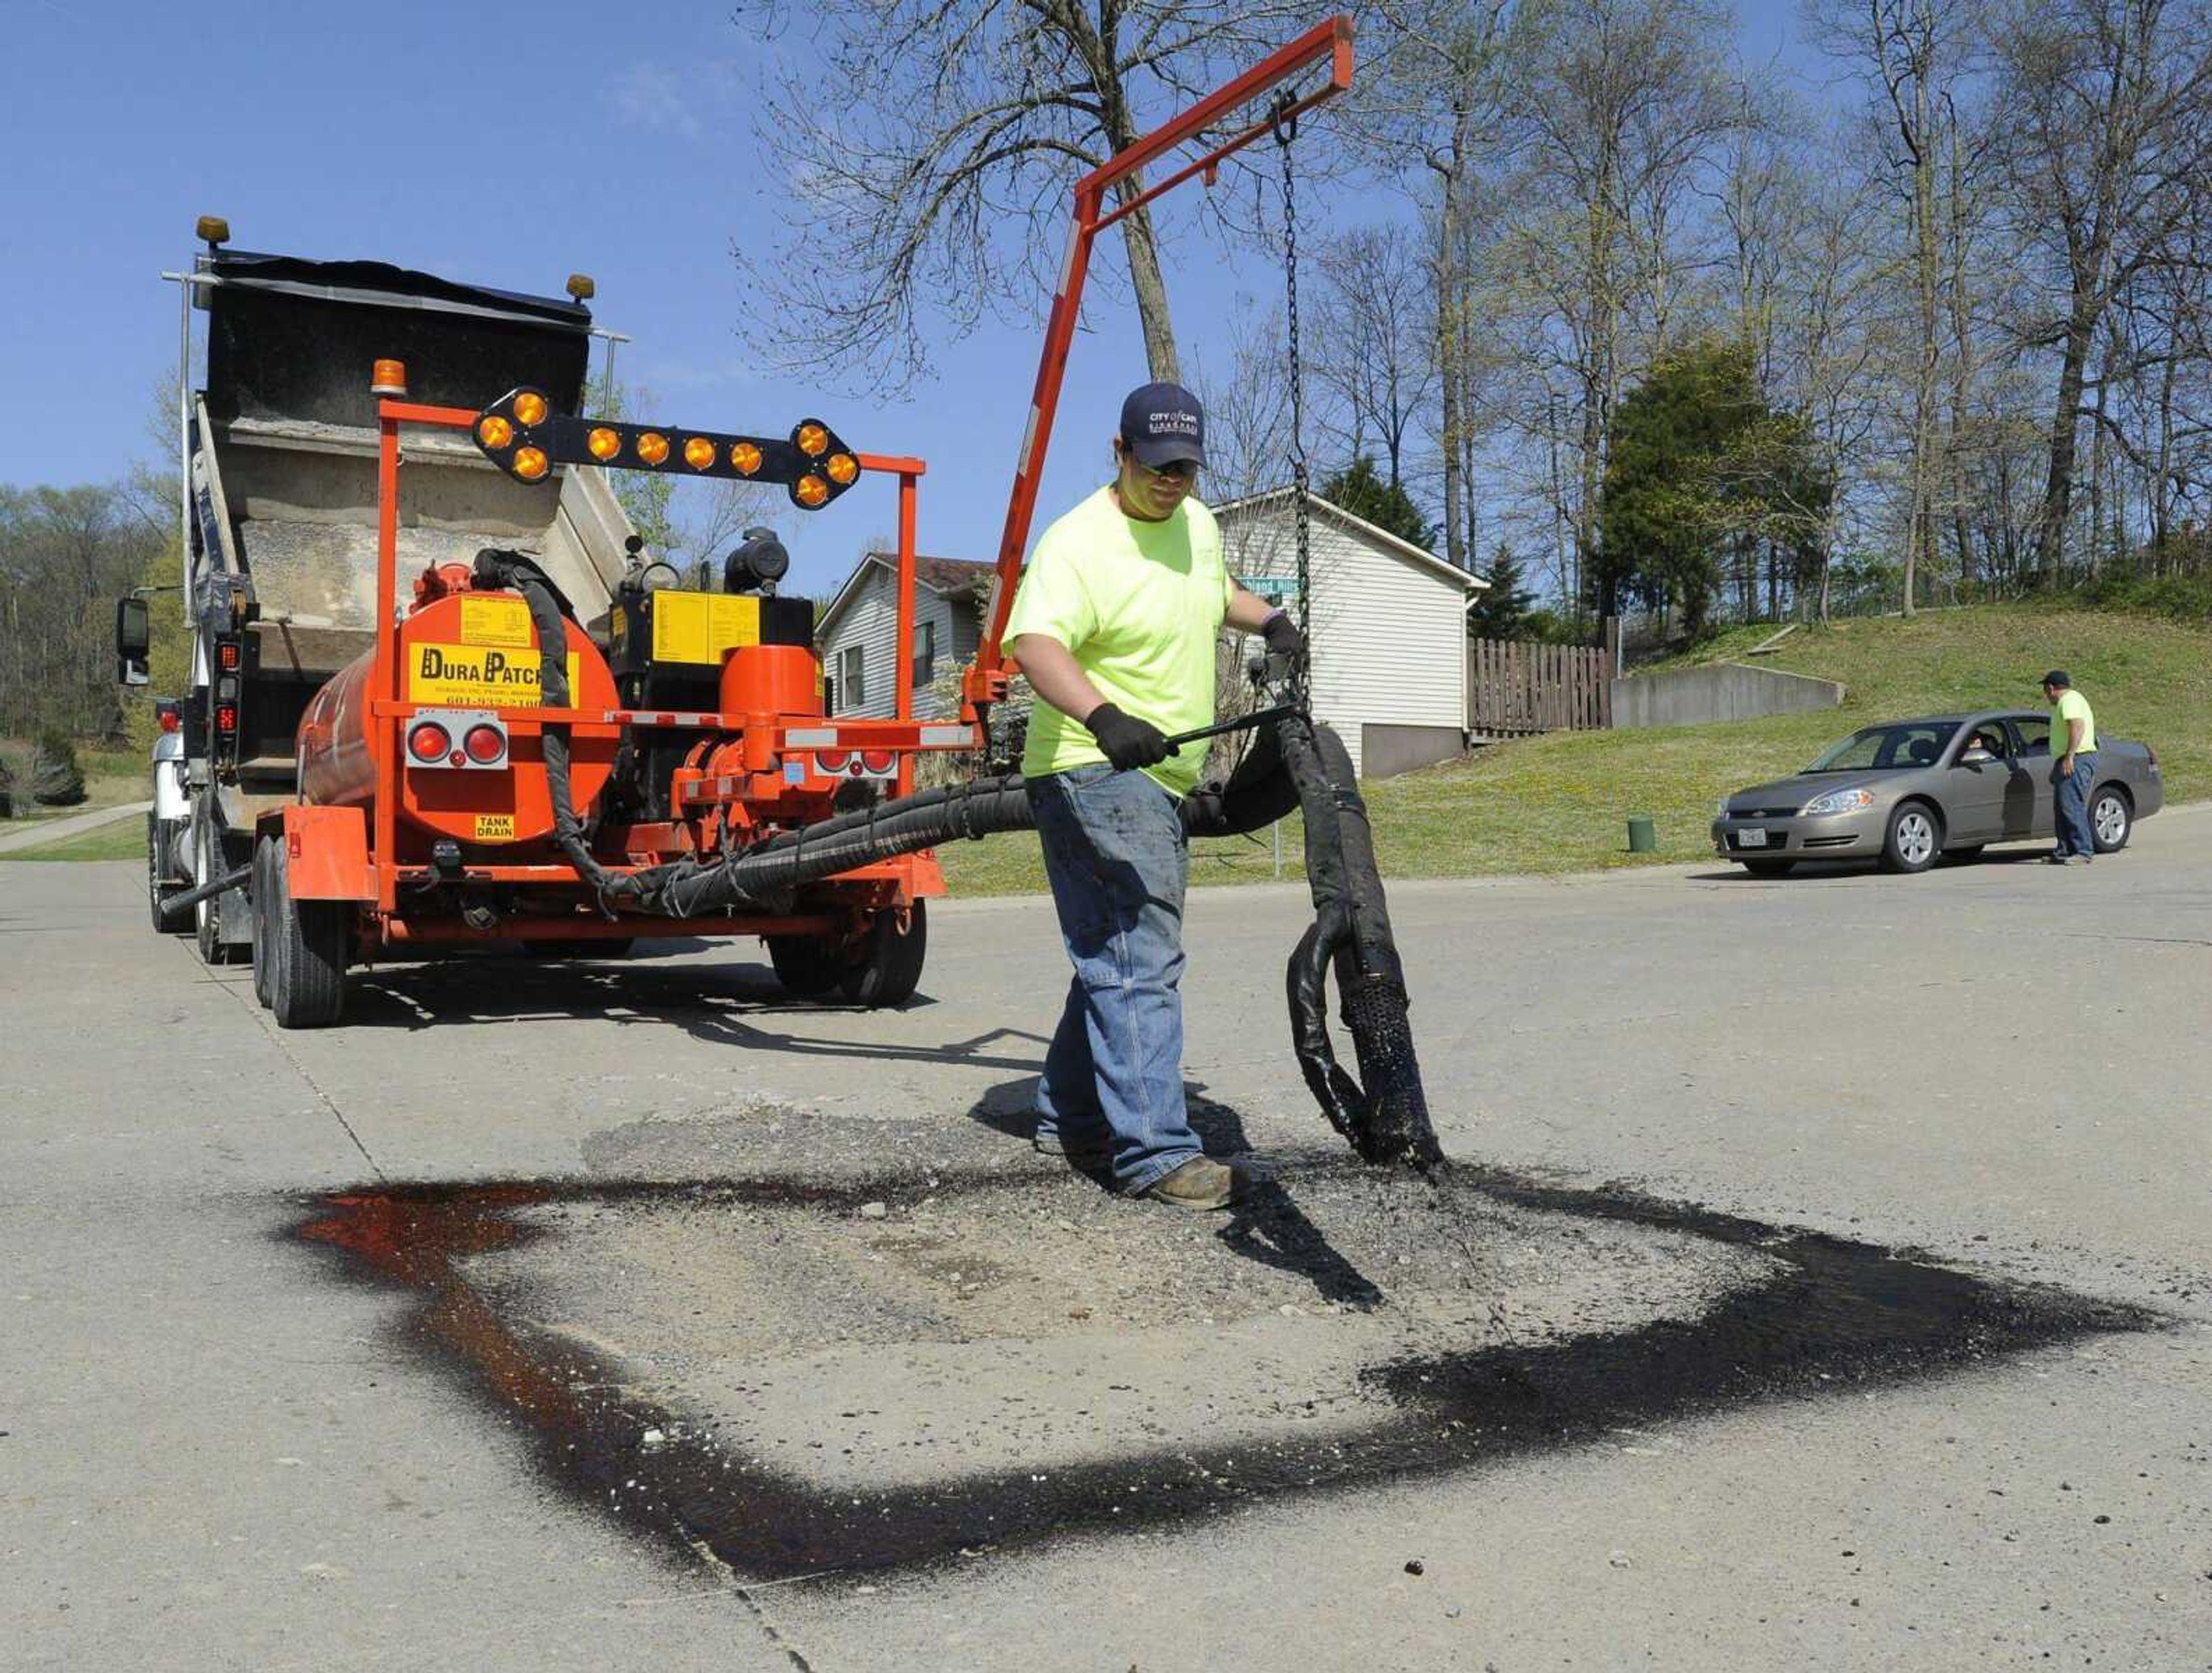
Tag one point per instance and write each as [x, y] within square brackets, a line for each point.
[1114, 625]
[2074, 767]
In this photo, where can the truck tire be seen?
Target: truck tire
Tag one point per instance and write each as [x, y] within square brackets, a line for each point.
[207, 864]
[259, 891]
[158, 889]
[888, 974]
[807, 966]
[307, 944]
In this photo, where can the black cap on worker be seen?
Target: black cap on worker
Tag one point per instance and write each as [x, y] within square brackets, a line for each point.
[1163, 424]
[2058, 677]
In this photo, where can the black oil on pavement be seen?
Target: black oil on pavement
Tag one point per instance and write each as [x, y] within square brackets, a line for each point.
[1833, 1315]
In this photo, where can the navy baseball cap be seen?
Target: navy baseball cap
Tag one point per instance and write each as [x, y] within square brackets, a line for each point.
[1163, 424]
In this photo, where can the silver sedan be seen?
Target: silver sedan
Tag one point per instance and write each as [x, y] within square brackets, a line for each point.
[1906, 791]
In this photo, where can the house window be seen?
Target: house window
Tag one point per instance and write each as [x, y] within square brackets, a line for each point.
[852, 685]
[924, 656]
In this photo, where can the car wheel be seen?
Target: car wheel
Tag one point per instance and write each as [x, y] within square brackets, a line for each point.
[1915, 837]
[2112, 821]
[1769, 868]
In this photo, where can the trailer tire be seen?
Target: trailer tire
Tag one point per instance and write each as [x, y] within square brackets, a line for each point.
[808, 967]
[306, 945]
[891, 969]
[207, 866]
[259, 892]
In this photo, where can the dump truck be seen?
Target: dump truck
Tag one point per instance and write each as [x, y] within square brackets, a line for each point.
[279, 464]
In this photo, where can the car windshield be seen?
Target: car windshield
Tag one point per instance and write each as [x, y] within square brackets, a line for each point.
[1917, 743]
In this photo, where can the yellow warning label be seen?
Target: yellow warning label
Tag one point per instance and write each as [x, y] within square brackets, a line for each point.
[699, 626]
[495, 621]
[495, 828]
[478, 677]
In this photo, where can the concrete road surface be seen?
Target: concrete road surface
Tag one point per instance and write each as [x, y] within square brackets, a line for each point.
[582, 1317]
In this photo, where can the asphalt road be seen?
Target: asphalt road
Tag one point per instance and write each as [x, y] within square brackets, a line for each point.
[227, 1446]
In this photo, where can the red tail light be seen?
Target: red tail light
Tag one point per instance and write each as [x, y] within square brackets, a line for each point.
[428, 742]
[878, 761]
[832, 761]
[226, 718]
[228, 654]
[2152, 753]
[171, 720]
[485, 744]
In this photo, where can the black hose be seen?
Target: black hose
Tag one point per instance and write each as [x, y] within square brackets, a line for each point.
[1293, 763]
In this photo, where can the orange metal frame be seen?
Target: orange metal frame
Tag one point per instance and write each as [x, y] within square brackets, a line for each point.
[389, 708]
[1330, 42]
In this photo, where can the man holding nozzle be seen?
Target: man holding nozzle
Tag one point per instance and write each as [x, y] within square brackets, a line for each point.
[1114, 625]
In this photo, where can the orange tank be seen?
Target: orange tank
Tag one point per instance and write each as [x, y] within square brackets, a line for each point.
[463, 651]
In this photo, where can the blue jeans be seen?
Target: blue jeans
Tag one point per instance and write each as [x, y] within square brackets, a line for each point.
[2072, 796]
[1119, 864]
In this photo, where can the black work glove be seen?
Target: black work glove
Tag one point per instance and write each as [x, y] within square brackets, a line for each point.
[1127, 740]
[1282, 635]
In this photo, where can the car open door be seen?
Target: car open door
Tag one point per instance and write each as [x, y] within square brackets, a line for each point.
[2028, 790]
[1974, 786]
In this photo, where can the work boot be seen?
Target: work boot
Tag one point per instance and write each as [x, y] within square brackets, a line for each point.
[1200, 1184]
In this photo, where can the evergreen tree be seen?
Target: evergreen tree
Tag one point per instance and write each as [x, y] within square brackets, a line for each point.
[1360, 488]
[1502, 611]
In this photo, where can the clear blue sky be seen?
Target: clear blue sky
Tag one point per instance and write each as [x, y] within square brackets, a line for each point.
[507, 145]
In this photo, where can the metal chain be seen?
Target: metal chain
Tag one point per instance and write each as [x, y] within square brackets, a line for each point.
[1286, 130]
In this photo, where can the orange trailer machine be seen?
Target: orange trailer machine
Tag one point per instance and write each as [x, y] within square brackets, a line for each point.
[488, 771]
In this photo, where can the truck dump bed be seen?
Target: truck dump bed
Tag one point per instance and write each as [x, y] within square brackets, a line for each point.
[284, 460]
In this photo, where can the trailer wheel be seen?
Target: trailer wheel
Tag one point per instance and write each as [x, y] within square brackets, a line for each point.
[259, 892]
[306, 945]
[207, 866]
[888, 974]
[807, 967]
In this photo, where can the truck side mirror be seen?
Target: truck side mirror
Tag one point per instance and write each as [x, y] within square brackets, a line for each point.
[134, 642]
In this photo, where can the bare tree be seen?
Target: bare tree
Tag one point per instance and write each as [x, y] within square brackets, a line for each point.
[2109, 108]
[1620, 106]
[1377, 358]
[931, 147]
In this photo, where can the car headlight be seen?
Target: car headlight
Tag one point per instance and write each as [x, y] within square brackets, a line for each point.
[1838, 801]
[1721, 811]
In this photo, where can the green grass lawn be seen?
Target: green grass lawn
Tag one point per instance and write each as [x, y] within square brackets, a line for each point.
[123, 839]
[112, 777]
[1561, 802]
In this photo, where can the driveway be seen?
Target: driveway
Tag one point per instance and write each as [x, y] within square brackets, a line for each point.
[1820, 1284]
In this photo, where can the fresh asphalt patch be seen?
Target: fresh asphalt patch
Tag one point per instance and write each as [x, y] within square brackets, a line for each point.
[744, 1337]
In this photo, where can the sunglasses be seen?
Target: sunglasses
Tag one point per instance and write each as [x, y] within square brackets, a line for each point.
[1181, 471]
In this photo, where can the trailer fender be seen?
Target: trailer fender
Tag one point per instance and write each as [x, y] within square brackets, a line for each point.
[326, 851]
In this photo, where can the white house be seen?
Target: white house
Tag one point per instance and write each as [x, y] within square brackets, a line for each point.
[858, 634]
[1387, 626]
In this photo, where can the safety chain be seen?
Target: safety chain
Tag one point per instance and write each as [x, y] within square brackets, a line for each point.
[1284, 118]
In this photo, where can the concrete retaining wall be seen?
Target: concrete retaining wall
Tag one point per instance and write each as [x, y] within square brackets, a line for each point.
[1723, 691]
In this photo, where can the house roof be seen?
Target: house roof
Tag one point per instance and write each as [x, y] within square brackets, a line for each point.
[1359, 525]
[945, 577]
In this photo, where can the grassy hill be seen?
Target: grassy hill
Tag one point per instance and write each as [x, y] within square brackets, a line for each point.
[1561, 802]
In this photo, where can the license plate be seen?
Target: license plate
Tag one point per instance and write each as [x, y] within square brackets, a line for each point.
[1750, 839]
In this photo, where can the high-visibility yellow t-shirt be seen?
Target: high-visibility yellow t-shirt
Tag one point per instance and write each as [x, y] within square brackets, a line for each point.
[1140, 605]
[2072, 706]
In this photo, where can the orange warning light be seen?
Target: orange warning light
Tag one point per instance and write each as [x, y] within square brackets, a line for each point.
[811, 491]
[604, 443]
[698, 452]
[530, 463]
[529, 408]
[652, 447]
[494, 431]
[745, 457]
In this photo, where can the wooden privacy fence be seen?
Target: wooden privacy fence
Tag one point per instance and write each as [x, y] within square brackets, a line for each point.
[1515, 689]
